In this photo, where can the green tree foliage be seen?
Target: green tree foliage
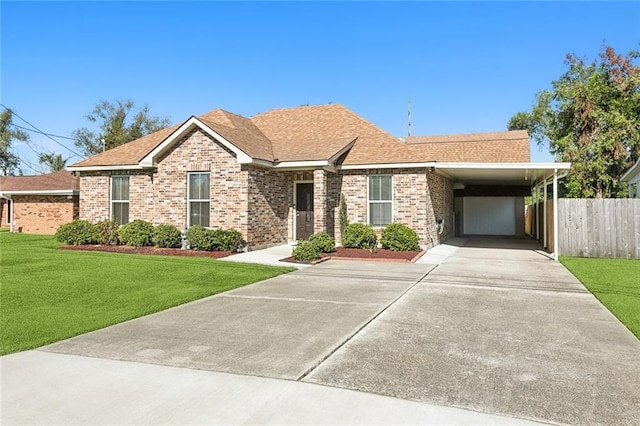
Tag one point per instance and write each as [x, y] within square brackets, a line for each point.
[54, 162]
[119, 123]
[8, 161]
[591, 118]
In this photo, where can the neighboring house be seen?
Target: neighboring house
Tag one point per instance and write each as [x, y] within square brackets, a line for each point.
[277, 177]
[632, 177]
[39, 204]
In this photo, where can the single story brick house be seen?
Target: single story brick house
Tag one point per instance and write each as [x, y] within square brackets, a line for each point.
[277, 177]
[39, 204]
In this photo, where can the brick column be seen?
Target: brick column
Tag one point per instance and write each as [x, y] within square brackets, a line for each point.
[319, 201]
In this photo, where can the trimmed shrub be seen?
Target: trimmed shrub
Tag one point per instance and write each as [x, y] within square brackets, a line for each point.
[399, 237]
[358, 235]
[167, 236]
[200, 238]
[324, 242]
[107, 232]
[228, 240]
[342, 214]
[137, 233]
[306, 251]
[77, 233]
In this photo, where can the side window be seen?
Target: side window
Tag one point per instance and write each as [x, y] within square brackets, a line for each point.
[120, 199]
[199, 199]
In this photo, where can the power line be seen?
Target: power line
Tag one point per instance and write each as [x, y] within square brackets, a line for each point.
[40, 131]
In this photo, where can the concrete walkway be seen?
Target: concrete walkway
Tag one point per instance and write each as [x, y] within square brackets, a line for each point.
[268, 256]
[46, 388]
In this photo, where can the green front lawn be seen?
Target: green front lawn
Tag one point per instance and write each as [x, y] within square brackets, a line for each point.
[48, 294]
[615, 282]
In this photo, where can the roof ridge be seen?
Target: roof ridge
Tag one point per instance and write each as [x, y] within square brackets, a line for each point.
[298, 107]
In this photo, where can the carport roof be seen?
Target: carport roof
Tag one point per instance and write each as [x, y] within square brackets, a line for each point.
[512, 174]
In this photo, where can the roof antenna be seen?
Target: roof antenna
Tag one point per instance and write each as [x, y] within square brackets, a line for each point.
[408, 117]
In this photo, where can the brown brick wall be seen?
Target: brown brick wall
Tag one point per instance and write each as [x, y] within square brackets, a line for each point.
[42, 214]
[94, 196]
[270, 207]
[198, 152]
[161, 196]
[418, 200]
[439, 206]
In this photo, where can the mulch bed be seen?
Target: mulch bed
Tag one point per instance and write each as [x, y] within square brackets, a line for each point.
[150, 250]
[380, 255]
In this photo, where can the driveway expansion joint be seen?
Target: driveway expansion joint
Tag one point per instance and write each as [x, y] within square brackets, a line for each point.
[363, 326]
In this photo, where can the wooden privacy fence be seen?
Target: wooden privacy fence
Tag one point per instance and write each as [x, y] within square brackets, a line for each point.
[607, 227]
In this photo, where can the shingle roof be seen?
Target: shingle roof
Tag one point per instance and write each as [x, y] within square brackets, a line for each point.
[240, 131]
[495, 147]
[58, 181]
[130, 153]
[309, 133]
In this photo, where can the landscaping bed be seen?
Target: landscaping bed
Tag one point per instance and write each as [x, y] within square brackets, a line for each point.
[148, 250]
[379, 255]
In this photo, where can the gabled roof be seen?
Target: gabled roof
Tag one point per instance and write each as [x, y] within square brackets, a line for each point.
[58, 182]
[494, 147]
[318, 135]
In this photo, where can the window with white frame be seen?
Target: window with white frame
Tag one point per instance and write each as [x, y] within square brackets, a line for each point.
[199, 199]
[120, 199]
[380, 200]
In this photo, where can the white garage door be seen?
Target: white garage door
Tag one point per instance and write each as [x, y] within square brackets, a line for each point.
[489, 215]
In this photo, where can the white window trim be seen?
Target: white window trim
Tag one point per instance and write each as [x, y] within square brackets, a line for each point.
[378, 201]
[112, 202]
[197, 200]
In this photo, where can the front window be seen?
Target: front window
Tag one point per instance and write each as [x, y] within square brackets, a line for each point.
[120, 199]
[199, 200]
[380, 200]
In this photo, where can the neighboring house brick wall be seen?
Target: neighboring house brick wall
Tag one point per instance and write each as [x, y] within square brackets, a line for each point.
[270, 195]
[43, 214]
[4, 219]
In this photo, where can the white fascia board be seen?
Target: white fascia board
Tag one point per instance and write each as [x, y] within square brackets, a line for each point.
[631, 173]
[39, 192]
[301, 164]
[102, 168]
[346, 148]
[387, 166]
[512, 166]
[149, 159]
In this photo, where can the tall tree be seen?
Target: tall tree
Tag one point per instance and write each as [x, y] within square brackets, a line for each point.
[54, 162]
[8, 161]
[591, 118]
[118, 124]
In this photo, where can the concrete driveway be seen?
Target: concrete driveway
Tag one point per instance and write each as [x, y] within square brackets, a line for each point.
[280, 328]
[498, 328]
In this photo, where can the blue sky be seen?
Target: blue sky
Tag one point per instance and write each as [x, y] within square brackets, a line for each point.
[466, 66]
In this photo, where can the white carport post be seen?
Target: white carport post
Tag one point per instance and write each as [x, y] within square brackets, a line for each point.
[556, 249]
[544, 217]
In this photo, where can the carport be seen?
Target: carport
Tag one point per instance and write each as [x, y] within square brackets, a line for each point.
[489, 196]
